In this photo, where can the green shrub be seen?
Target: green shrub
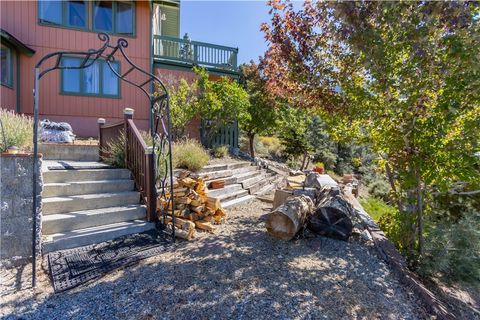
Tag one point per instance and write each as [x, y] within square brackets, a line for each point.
[379, 188]
[189, 154]
[220, 151]
[376, 208]
[273, 146]
[452, 250]
[18, 130]
[115, 151]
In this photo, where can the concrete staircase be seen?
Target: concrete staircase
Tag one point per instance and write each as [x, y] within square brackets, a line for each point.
[243, 182]
[85, 201]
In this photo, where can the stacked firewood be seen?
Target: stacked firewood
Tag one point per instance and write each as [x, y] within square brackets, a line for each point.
[194, 209]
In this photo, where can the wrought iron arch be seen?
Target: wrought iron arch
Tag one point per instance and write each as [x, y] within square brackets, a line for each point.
[160, 127]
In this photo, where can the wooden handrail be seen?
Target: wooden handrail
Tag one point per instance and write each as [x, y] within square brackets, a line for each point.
[139, 159]
[195, 53]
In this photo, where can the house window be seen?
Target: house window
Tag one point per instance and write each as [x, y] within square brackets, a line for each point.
[95, 80]
[114, 16]
[71, 14]
[6, 71]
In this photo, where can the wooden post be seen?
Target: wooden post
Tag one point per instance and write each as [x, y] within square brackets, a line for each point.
[150, 185]
[101, 123]
[127, 114]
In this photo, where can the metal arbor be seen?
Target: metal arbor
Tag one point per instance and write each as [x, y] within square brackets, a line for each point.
[157, 95]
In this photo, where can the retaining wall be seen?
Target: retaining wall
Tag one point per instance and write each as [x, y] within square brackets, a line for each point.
[16, 221]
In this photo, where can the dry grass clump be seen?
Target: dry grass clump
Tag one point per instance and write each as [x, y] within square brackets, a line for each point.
[189, 154]
[18, 130]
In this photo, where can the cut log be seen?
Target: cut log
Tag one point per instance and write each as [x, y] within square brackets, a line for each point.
[213, 203]
[204, 225]
[198, 209]
[217, 184]
[285, 221]
[333, 216]
[280, 197]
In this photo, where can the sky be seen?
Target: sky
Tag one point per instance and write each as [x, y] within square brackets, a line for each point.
[229, 23]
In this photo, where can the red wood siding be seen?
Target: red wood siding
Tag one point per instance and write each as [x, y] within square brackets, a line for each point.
[19, 18]
[8, 95]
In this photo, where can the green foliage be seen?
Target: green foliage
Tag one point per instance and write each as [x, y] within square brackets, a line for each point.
[453, 249]
[220, 151]
[183, 106]
[262, 114]
[376, 208]
[322, 145]
[115, 151]
[379, 188]
[400, 77]
[189, 154]
[220, 102]
[18, 130]
[294, 131]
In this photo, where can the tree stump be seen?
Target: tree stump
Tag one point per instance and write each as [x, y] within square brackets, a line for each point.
[286, 220]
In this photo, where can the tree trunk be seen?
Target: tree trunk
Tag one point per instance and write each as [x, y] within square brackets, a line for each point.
[419, 212]
[285, 221]
[333, 216]
[305, 155]
[251, 137]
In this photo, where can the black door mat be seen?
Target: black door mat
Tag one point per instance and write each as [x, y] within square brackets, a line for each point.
[73, 267]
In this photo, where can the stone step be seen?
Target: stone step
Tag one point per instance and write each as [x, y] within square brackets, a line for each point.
[237, 201]
[58, 189]
[228, 173]
[232, 195]
[64, 151]
[87, 236]
[223, 191]
[264, 189]
[247, 183]
[63, 222]
[67, 204]
[223, 166]
[227, 180]
[247, 175]
[55, 176]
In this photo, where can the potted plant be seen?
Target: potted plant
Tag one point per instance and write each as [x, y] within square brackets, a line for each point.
[319, 168]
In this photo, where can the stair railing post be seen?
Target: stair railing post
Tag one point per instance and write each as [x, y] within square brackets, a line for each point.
[101, 123]
[150, 185]
[127, 114]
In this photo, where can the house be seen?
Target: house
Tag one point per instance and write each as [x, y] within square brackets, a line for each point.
[30, 30]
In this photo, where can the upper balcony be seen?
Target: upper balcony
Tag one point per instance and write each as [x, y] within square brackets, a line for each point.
[193, 53]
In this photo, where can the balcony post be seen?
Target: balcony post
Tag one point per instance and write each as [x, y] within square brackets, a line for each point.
[195, 53]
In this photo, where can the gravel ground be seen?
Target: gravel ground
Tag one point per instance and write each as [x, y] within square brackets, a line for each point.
[238, 273]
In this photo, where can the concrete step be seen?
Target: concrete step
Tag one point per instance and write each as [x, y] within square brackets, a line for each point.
[87, 236]
[58, 189]
[67, 151]
[232, 195]
[227, 190]
[238, 201]
[63, 222]
[55, 176]
[67, 204]
[73, 165]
